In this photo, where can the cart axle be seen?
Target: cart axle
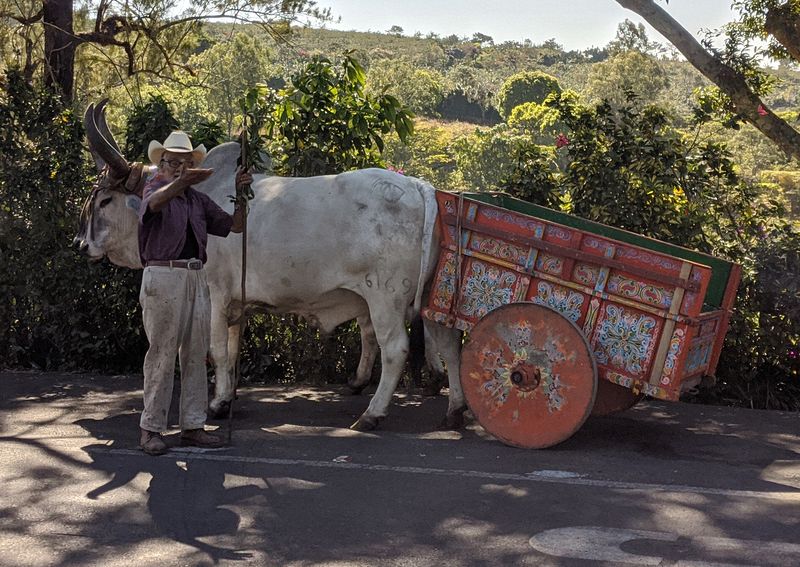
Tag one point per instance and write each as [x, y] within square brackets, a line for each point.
[526, 378]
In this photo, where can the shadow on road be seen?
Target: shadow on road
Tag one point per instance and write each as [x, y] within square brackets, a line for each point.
[185, 500]
[75, 486]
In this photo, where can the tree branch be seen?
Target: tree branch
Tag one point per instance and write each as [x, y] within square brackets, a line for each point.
[747, 104]
[37, 17]
[784, 26]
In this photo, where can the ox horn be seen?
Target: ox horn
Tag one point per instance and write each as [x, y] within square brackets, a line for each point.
[102, 125]
[99, 145]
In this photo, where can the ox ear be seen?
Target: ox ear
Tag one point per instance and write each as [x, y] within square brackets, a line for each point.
[133, 202]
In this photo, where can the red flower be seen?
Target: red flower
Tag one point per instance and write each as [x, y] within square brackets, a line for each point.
[761, 110]
[561, 141]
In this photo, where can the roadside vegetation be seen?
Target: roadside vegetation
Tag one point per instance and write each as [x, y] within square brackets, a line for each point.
[628, 134]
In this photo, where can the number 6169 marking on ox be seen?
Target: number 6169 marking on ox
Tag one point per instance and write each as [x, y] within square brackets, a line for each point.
[374, 280]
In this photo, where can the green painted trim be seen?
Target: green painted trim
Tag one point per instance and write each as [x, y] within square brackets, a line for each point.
[720, 269]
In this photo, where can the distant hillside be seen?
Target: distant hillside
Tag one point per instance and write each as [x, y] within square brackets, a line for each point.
[470, 71]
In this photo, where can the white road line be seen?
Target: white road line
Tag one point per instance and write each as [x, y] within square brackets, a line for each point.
[549, 476]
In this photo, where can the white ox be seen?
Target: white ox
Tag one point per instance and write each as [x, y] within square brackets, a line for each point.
[358, 245]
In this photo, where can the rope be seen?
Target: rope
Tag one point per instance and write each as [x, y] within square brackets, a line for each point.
[459, 253]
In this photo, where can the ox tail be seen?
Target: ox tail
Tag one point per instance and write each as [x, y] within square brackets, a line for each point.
[428, 194]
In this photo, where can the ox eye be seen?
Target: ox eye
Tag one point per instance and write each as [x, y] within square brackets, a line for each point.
[105, 202]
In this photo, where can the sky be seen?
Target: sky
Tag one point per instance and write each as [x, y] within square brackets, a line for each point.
[574, 24]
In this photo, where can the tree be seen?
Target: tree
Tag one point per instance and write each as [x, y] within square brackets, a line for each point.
[229, 68]
[325, 122]
[138, 36]
[632, 37]
[482, 38]
[627, 71]
[475, 84]
[528, 86]
[733, 70]
[422, 90]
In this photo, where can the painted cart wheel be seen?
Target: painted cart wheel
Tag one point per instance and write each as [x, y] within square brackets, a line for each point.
[612, 398]
[528, 375]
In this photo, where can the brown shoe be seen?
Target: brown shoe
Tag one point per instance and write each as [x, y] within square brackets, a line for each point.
[151, 443]
[200, 438]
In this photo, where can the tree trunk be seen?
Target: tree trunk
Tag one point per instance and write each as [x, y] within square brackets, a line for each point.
[59, 46]
[746, 103]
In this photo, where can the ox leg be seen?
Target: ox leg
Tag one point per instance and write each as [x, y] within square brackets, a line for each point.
[223, 385]
[445, 342]
[390, 331]
[369, 351]
[437, 374]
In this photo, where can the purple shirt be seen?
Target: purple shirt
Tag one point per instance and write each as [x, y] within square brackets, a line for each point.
[162, 235]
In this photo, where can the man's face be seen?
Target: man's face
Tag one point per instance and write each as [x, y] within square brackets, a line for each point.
[172, 164]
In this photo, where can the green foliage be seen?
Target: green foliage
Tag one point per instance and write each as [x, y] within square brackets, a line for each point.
[475, 84]
[229, 68]
[787, 185]
[427, 154]
[56, 310]
[152, 120]
[483, 156]
[324, 121]
[629, 168]
[629, 71]
[287, 349]
[210, 133]
[534, 177]
[632, 37]
[528, 86]
[744, 45]
[541, 122]
[422, 90]
[760, 364]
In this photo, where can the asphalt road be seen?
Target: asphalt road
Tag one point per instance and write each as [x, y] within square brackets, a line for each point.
[660, 484]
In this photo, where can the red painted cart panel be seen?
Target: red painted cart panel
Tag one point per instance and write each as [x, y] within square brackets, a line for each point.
[641, 309]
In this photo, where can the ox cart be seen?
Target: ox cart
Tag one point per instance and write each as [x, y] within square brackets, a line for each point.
[567, 317]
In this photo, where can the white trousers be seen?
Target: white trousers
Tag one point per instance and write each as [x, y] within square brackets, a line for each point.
[176, 309]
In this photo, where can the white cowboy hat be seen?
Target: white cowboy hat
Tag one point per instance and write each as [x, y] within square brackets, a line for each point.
[177, 142]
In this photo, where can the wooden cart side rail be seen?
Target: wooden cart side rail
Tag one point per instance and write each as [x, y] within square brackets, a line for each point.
[720, 268]
[573, 253]
[589, 291]
[727, 307]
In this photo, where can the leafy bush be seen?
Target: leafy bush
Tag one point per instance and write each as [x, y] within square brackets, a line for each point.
[427, 154]
[56, 310]
[528, 86]
[324, 121]
[534, 177]
[152, 120]
[484, 156]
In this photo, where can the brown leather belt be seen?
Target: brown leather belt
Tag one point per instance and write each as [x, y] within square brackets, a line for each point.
[188, 264]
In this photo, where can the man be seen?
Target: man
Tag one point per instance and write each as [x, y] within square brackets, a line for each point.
[174, 223]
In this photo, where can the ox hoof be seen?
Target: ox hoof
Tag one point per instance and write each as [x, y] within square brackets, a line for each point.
[454, 421]
[219, 412]
[365, 423]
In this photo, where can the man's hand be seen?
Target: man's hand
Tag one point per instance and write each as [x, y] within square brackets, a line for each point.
[243, 177]
[239, 214]
[192, 176]
[187, 177]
